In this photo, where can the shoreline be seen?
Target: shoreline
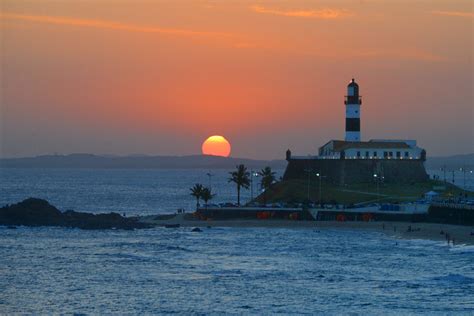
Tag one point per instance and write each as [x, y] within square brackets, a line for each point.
[462, 235]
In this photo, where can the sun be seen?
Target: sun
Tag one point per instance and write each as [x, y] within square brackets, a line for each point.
[216, 146]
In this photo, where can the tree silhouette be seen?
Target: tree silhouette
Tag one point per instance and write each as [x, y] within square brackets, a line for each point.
[206, 195]
[241, 177]
[196, 191]
[268, 177]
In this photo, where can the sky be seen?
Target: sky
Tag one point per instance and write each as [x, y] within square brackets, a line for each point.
[159, 77]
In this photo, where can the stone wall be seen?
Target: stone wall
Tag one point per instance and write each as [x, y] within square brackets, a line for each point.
[347, 171]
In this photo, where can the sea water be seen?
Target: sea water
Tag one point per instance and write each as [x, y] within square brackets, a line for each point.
[230, 270]
[49, 270]
[130, 191]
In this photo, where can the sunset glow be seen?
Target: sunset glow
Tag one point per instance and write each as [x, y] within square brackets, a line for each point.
[216, 146]
[152, 77]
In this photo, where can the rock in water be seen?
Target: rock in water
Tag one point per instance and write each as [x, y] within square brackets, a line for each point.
[38, 212]
[196, 230]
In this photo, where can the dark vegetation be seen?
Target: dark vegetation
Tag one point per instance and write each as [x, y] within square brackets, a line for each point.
[298, 191]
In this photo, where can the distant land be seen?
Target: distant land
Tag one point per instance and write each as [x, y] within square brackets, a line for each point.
[185, 162]
[451, 162]
[136, 162]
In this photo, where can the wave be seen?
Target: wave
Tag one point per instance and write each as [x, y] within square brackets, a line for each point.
[454, 278]
[462, 248]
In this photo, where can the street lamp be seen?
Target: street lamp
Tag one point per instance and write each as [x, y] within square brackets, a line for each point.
[471, 175]
[377, 183]
[252, 174]
[463, 169]
[444, 174]
[320, 196]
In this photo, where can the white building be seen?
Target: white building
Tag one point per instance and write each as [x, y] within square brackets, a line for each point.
[373, 149]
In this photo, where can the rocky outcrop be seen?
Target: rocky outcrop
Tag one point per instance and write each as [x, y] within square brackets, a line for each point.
[38, 212]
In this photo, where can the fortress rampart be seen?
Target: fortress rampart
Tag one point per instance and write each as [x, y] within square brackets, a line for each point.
[348, 171]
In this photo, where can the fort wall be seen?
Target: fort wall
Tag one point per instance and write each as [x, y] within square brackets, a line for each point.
[347, 171]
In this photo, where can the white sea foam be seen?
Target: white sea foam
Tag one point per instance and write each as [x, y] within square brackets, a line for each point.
[463, 248]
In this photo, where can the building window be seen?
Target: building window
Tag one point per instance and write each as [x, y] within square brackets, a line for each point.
[406, 154]
[375, 154]
[385, 154]
[398, 154]
[366, 154]
[358, 154]
[390, 153]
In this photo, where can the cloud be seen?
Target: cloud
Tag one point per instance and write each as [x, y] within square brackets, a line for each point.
[407, 54]
[234, 40]
[454, 13]
[315, 14]
[109, 25]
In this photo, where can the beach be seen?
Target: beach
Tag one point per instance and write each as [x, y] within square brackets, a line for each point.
[406, 230]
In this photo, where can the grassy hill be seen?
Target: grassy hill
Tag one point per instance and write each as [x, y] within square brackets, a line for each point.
[297, 191]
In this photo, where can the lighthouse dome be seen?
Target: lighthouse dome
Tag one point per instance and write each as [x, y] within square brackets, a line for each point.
[353, 90]
[353, 83]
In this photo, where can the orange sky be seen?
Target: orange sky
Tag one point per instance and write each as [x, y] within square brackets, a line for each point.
[159, 77]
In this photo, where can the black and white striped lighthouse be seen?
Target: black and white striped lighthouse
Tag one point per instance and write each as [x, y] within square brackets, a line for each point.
[353, 102]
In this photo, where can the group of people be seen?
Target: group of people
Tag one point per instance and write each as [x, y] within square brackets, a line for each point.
[409, 229]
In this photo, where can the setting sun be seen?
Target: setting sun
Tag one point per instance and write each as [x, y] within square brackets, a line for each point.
[217, 146]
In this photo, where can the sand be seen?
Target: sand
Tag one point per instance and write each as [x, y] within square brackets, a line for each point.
[406, 230]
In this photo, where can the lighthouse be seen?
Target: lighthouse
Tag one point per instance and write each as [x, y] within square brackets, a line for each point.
[353, 102]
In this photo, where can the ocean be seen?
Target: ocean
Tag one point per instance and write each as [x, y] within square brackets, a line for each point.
[230, 270]
[47, 270]
[131, 191]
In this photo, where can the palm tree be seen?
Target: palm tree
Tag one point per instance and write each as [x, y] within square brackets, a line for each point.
[206, 195]
[196, 191]
[268, 177]
[241, 177]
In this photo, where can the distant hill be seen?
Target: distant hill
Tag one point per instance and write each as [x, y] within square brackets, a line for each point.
[451, 162]
[184, 162]
[136, 162]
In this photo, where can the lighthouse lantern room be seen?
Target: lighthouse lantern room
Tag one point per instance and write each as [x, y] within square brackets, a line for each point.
[353, 102]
